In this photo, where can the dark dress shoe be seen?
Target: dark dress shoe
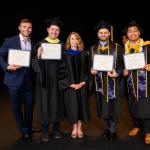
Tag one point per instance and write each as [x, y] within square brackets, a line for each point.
[57, 134]
[106, 133]
[112, 137]
[27, 137]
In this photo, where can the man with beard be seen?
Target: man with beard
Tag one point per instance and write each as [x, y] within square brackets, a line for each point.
[107, 83]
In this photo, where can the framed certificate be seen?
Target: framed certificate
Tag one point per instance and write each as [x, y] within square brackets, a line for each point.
[134, 61]
[19, 57]
[103, 62]
[51, 51]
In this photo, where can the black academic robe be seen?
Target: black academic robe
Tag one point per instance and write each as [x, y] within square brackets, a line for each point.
[140, 107]
[123, 83]
[108, 108]
[76, 102]
[47, 96]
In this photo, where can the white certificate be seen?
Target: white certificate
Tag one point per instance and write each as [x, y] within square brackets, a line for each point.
[103, 62]
[51, 51]
[134, 61]
[19, 57]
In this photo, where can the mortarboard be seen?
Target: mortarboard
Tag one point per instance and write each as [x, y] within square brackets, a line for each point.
[103, 24]
[54, 21]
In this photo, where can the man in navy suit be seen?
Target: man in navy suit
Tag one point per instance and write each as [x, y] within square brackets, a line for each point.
[18, 79]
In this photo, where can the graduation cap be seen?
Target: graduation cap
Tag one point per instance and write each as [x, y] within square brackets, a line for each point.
[54, 21]
[131, 24]
[103, 24]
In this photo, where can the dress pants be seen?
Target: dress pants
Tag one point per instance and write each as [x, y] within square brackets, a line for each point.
[111, 124]
[22, 107]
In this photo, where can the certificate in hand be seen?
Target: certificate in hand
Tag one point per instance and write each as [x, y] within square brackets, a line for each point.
[51, 51]
[19, 57]
[103, 62]
[134, 61]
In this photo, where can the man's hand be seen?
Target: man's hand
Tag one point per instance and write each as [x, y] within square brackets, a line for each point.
[147, 67]
[39, 52]
[112, 73]
[125, 72]
[94, 72]
[13, 67]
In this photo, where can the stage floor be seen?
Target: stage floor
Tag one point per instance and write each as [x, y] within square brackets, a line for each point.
[10, 137]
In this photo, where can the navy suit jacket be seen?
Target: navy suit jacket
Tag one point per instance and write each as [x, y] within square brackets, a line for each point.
[13, 78]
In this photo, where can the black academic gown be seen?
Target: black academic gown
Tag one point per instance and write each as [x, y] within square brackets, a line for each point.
[47, 96]
[76, 102]
[140, 108]
[107, 108]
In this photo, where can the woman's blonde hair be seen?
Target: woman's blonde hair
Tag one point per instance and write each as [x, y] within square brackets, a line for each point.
[80, 44]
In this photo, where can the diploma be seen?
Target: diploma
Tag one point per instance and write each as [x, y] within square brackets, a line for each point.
[134, 61]
[51, 51]
[19, 57]
[103, 62]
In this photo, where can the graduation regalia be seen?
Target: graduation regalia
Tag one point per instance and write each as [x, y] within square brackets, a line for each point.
[76, 101]
[139, 86]
[138, 81]
[47, 76]
[108, 101]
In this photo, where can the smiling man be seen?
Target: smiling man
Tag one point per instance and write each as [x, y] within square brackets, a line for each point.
[138, 82]
[47, 82]
[18, 79]
[107, 83]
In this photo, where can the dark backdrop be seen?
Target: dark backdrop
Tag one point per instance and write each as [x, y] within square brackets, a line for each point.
[76, 17]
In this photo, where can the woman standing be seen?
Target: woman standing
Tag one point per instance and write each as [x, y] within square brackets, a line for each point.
[76, 94]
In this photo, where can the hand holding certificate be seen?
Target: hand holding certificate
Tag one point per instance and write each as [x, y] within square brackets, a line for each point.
[134, 61]
[19, 57]
[103, 62]
[51, 51]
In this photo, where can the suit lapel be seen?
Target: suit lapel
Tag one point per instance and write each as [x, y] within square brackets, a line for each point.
[17, 42]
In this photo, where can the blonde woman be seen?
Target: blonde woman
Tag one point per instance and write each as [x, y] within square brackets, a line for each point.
[76, 94]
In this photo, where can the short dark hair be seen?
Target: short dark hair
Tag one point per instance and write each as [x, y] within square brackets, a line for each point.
[131, 24]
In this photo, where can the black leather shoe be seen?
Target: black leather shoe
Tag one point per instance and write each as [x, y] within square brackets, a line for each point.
[57, 134]
[27, 137]
[112, 137]
[106, 133]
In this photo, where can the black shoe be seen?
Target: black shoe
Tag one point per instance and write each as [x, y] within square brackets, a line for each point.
[57, 134]
[112, 137]
[35, 130]
[106, 133]
[27, 137]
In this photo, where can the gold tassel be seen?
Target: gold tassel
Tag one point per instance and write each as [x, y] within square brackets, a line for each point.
[133, 84]
[102, 84]
[107, 74]
[111, 33]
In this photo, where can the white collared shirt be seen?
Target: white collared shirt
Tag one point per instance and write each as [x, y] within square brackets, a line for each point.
[25, 44]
